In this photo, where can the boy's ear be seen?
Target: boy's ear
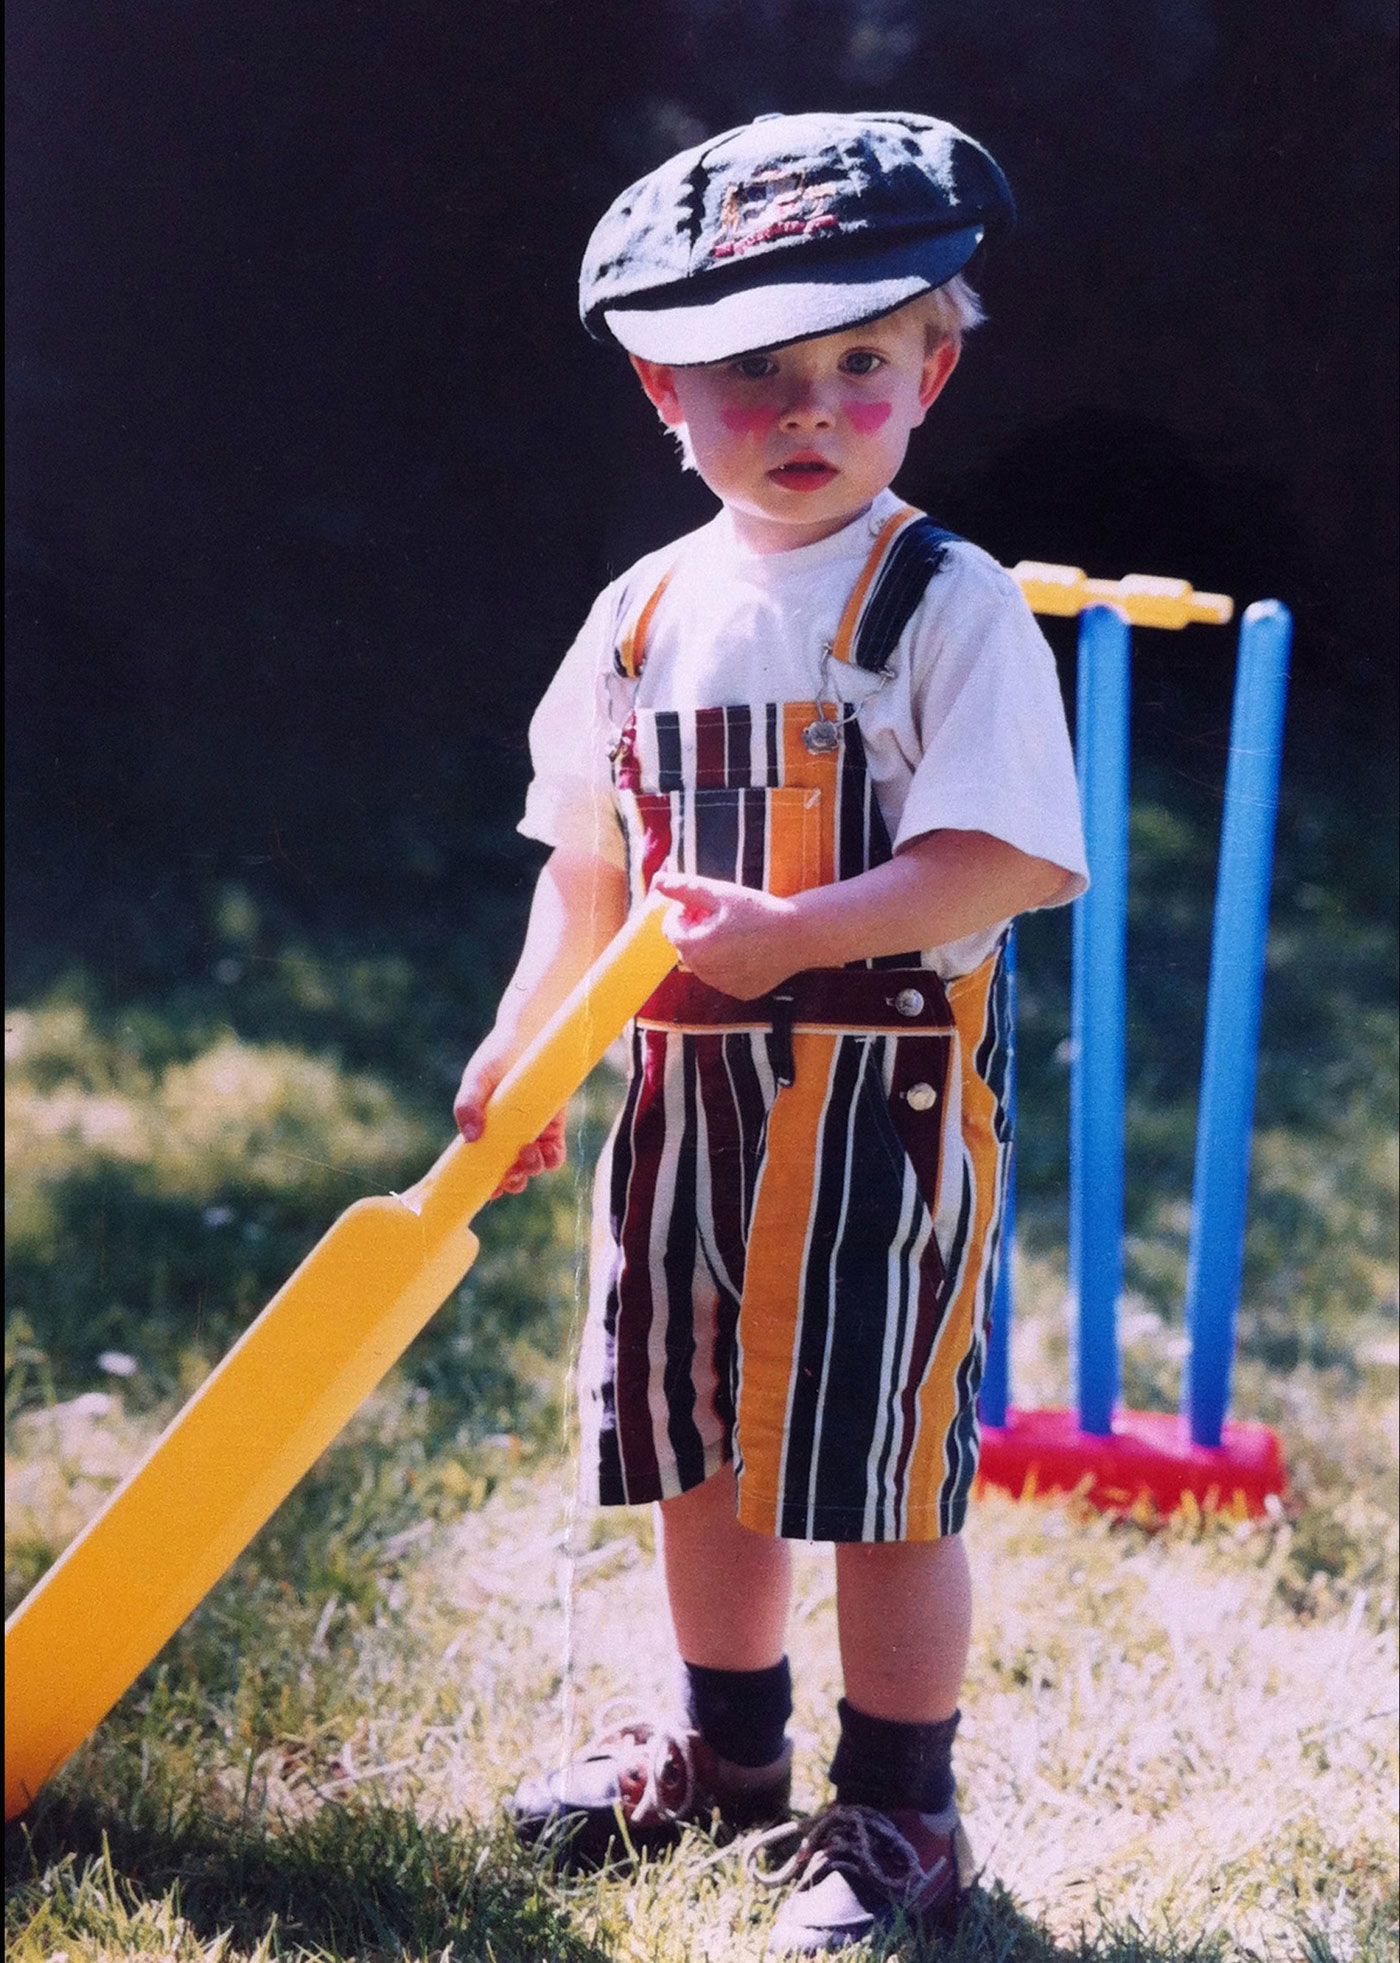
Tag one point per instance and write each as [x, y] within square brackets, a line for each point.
[938, 366]
[661, 389]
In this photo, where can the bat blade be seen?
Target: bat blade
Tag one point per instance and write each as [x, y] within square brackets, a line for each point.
[184, 1514]
[283, 1392]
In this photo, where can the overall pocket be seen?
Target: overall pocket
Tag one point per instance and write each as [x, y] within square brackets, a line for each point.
[908, 1106]
[770, 839]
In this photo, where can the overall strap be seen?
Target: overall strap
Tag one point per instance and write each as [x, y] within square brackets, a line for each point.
[629, 654]
[634, 624]
[908, 550]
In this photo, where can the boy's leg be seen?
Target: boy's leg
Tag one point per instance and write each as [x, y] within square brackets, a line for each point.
[904, 1612]
[728, 1590]
[728, 1587]
[892, 1844]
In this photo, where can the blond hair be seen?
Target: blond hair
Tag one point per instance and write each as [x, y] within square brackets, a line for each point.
[948, 312]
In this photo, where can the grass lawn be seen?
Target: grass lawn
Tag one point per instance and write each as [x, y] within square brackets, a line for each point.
[1179, 1742]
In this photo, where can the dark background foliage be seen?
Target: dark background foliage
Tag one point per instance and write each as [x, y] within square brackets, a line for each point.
[313, 471]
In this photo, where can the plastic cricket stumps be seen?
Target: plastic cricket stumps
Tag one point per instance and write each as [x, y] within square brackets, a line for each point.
[1143, 599]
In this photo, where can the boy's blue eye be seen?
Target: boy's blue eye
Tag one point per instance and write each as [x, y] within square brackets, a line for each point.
[861, 361]
[755, 367]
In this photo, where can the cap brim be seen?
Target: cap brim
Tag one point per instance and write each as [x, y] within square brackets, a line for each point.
[781, 305]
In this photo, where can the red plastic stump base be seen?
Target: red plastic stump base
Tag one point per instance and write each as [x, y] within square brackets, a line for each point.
[1148, 1457]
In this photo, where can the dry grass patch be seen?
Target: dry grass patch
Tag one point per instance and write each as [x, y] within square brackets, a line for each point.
[1177, 1744]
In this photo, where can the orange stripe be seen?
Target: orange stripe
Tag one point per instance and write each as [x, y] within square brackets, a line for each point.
[775, 1277]
[846, 633]
[938, 1397]
[797, 759]
[633, 648]
[818, 773]
[826, 839]
[794, 844]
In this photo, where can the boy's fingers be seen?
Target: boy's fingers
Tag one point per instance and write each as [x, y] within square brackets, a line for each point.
[478, 1084]
[682, 885]
[473, 1095]
[547, 1154]
[684, 928]
[698, 897]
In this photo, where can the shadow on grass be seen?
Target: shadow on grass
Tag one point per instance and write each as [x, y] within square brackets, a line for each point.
[369, 1881]
[358, 1880]
[994, 1930]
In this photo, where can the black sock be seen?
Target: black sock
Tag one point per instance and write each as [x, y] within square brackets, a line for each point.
[741, 1714]
[891, 1766]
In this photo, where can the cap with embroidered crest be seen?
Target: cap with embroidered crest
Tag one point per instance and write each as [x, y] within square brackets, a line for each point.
[787, 227]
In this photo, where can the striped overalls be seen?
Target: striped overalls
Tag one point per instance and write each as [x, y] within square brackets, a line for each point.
[798, 1210]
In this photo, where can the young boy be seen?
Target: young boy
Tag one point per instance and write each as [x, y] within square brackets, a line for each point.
[832, 736]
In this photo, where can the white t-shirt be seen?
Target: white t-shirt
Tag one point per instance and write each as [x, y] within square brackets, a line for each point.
[965, 730]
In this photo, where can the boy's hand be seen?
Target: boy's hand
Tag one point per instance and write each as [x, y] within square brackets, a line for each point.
[483, 1072]
[734, 938]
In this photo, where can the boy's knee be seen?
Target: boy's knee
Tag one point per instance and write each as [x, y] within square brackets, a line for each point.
[948, 1548]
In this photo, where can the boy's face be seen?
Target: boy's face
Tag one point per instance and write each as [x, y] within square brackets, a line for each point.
[798, 441]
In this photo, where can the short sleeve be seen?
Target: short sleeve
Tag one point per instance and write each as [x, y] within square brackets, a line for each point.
[994, 752]
[569, 800]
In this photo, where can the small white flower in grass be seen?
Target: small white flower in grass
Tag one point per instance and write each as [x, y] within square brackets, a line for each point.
[217, 1216]
[117, 1363]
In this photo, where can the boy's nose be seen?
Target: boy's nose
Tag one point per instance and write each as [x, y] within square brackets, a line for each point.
[807, 407]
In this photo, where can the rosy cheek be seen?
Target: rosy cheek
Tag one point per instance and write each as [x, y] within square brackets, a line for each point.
[746, 421]
[866, 417]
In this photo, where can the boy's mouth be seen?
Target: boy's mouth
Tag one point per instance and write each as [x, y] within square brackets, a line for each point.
[807, 472]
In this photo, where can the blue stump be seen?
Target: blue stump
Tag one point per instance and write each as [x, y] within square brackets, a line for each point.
[1230, 1058]
[996, 1374]
[1098, 1012]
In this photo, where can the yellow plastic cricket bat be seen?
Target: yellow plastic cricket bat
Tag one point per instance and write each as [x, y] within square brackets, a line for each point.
[282, 1393]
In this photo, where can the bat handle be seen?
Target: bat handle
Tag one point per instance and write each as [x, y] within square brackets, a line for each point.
[550, 1069]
